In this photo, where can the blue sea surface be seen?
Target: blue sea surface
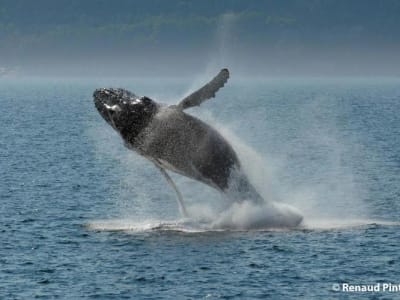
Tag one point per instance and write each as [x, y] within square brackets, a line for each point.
[81, 216]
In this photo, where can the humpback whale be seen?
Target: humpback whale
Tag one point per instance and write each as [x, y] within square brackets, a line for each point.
[177, 141]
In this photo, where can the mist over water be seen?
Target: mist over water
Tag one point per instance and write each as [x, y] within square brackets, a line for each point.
[310, 173]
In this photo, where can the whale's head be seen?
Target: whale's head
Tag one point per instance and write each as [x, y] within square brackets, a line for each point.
[124, 111]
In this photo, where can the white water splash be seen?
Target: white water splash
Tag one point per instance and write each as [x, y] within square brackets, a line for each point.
[250, 216]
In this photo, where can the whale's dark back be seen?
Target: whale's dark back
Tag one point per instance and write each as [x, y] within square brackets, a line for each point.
[187, 145]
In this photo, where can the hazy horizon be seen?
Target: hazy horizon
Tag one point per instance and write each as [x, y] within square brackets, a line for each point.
[97, 38]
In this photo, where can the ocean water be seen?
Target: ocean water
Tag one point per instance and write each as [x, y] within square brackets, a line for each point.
[83, 217]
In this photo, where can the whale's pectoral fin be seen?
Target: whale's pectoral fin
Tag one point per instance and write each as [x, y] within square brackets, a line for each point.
[206, 92]
[182, 207]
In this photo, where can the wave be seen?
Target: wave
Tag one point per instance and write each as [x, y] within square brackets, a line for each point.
[338, 224]
[241, 217]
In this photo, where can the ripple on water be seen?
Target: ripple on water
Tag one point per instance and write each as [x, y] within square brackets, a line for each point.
[80, 217]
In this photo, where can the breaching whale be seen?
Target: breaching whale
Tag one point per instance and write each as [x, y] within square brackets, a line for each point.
[176, 141]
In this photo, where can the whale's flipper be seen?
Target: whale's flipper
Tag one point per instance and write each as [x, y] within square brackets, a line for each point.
[182, 207]
[206, 92]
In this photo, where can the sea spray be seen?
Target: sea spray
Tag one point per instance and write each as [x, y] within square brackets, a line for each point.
[331, 191]
[328, 194]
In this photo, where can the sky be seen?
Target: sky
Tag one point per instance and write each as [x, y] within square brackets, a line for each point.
[178, 37]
